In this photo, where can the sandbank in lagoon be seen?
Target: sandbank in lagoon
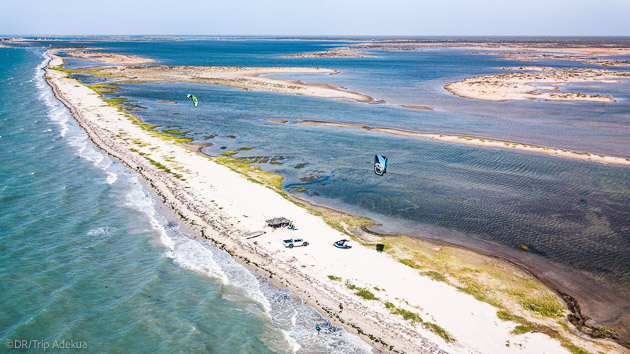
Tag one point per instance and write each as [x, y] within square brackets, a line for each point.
[519, 85]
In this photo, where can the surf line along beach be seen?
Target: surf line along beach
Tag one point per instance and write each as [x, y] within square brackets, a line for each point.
[221, 205]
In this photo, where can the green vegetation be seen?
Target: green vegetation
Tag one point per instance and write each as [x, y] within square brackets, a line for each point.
[439, 331]
[300, 165]
[229, 153]
[524, 247]
[527, 326]
[366, 294]
[410, 263]
[483, 277]
[407, 315]
[334, 278]
[104, 88]
[547, 306]
[254, 173]
[362, 292]
[415, 318]
[174, 132]
[520, 329]
[247, 148]
[437, 276]
[163, 167]
[298, 189]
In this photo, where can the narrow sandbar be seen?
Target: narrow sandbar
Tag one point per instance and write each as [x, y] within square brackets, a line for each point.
[109, 58]
[485, 142]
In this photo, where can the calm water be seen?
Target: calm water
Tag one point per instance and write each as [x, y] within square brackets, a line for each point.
[86, 258]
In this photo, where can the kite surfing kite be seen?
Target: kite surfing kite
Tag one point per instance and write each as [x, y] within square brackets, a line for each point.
[380, 164]
[194, 99]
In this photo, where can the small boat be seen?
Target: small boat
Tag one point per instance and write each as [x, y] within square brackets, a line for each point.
[253, 234]
[380, 164]
[342, 244]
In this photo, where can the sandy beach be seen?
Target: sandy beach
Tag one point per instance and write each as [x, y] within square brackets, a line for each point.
[409, 312]
[109, 58]
[241, 77]
[519, 85]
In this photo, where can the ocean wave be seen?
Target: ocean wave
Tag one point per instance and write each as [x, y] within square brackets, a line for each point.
[105, 230]
[72, 134]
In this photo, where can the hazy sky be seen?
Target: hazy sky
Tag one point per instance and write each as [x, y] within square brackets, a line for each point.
[317, 17]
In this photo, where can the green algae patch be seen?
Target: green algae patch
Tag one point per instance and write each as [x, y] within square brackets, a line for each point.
[334, 278]
[104, 88]
[254, 173]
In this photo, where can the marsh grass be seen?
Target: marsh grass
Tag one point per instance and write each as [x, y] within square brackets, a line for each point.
[334, 278]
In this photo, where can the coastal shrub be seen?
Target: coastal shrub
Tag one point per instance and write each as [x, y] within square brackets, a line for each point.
[572, 348]
[332, 277]
[300, 165]
[247, 148]
[547, 306]
[505, 316]
[366, 294]
[437, 276]
[407, 315]
[229, 153]
[362, 292]
[440, 332]
[520, 329]
[389, 305]
[410, 263]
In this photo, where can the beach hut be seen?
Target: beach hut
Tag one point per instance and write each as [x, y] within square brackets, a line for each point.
[279, 222]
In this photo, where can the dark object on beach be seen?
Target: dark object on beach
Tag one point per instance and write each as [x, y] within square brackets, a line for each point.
[253, 234]
[380, 247]
[318, 328]
[279, 222]
[380, 164]
[342, 244]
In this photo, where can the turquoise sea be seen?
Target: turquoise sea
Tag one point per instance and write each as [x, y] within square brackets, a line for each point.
[574, 216]
[86, 258]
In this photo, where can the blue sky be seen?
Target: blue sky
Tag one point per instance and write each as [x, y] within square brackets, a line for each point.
[317, 17]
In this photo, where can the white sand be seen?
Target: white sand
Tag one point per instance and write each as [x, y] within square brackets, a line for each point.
[473, 324]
